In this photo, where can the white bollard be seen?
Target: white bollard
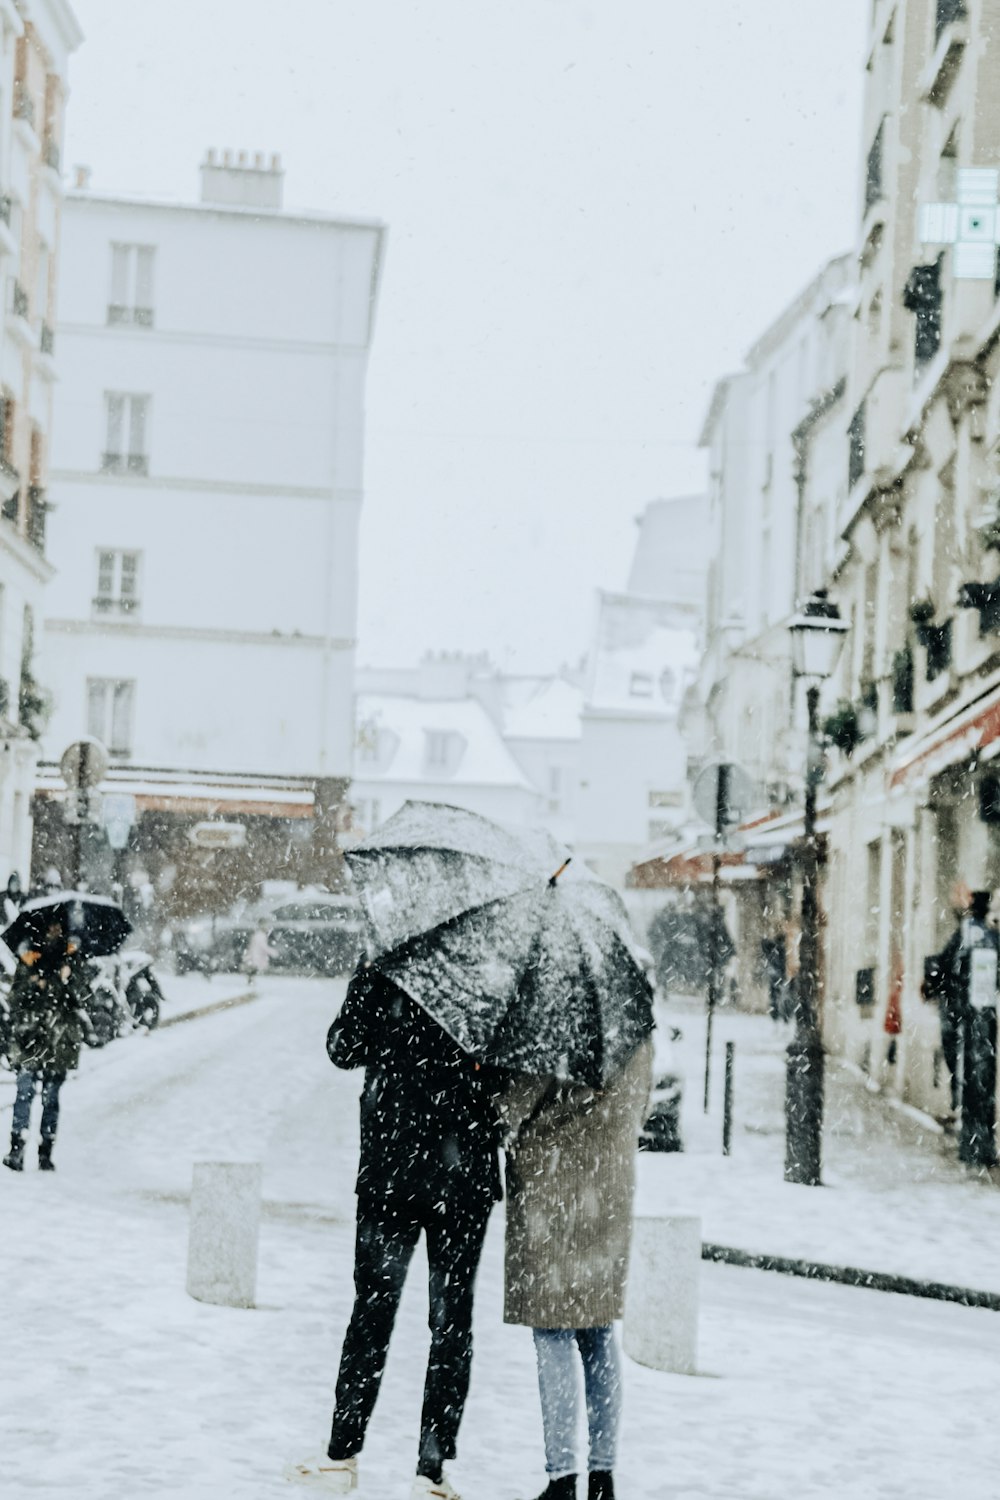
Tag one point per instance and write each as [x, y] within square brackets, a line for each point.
[661, 1305]
[222, 1233]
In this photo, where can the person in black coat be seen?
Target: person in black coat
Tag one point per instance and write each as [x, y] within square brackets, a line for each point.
[430, 1132]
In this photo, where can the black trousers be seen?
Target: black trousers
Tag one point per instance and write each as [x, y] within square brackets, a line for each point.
[387, 1235]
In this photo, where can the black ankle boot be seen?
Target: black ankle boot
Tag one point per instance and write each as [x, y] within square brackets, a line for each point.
[600, 1485]
[15, 1156]
[560, 1489]
[45, 1162]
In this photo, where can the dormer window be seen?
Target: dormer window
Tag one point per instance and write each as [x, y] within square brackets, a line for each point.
[641, 685]
[438, 743]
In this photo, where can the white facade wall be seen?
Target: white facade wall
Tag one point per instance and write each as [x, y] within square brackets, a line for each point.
[241, 643]
[624, 761]
[47, 32]
[755, 524]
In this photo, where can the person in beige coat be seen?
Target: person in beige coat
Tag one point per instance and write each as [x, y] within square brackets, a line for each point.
[570, 1184]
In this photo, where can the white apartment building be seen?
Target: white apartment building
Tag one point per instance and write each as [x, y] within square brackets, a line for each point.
[633, 787]
[37, 38]
[207, 485]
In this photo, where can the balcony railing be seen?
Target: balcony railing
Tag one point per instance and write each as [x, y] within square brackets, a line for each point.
[24, 105]
[5, 207]
[10, 508]
[947, 12]
[51, 154]
[19, 304]
[46, 340]
[110, 604]
[137, 317]
[124, 463]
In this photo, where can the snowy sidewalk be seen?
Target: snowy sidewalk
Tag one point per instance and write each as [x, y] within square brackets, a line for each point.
[123, 1388]
[895, 1198]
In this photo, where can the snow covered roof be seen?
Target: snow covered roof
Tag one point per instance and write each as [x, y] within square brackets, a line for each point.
[430, 741]
[541, 708]
[644, 659]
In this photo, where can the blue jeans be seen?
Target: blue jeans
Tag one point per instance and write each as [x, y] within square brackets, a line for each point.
[558, 1390]
[27, 1082]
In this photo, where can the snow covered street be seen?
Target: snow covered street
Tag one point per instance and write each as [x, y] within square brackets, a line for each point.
[116, 1384]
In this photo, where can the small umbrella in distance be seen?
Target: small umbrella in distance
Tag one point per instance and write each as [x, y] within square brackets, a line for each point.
[526, 963]
[95, 923]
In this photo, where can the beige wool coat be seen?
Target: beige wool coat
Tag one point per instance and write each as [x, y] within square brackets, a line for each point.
[570, 1184]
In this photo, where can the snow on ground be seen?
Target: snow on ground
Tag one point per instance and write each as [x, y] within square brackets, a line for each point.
[895, 1198]
[117, 1385]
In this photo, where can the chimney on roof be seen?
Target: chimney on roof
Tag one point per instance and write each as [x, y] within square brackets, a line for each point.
[243, 183]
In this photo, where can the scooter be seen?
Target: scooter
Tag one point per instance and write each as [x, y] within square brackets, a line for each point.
[125, 996]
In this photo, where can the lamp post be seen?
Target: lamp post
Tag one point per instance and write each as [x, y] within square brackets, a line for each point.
[817, 634]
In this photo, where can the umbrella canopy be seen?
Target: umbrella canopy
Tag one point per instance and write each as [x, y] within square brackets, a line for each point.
[535, 975]
[95, 923]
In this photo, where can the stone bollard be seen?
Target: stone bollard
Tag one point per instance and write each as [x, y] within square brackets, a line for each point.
[222, 1233]
[661, 1305]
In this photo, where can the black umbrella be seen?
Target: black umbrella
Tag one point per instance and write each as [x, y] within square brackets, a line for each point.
[95, 923]
[523, 968]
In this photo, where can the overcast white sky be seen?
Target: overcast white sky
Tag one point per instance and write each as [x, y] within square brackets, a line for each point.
[594, 207]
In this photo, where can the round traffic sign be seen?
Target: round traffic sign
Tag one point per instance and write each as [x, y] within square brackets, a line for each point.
[84, 764]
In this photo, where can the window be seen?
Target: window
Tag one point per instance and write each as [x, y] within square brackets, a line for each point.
[42, 284]
[110, 704]
[947, 12]
[856, 449]
[873, 169]
[666, 799]
[117, 583]
[131, 285]
[922, 295]
[127, 422]
[438, 741]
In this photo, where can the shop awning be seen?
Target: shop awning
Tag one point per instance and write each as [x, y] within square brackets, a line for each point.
[948, 741]
[230, 797]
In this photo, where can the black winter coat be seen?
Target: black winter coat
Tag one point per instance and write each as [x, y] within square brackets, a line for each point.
[430, 1128]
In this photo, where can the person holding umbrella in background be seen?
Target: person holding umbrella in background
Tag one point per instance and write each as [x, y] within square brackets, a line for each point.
[45, 1028]
[48, 1019]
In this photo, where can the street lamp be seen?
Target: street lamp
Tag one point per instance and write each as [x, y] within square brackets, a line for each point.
[817, 635]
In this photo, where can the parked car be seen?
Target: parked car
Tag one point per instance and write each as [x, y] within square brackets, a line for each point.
[215, 943]
[317, 932]
[313, 931]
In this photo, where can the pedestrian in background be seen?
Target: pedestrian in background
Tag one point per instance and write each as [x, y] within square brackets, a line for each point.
[13, 898]
[570, 1184]
[258, 955]
[45, 1026]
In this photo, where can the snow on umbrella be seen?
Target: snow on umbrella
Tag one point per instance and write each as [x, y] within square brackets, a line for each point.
[532, 973]
[95, 923]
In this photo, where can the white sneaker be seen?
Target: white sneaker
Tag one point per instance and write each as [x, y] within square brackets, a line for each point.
[426, 1489]
[330, 1476]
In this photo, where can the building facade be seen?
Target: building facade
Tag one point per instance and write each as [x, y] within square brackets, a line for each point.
[37, 38]
[774, 437]
[207, 485]
[913, 816]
